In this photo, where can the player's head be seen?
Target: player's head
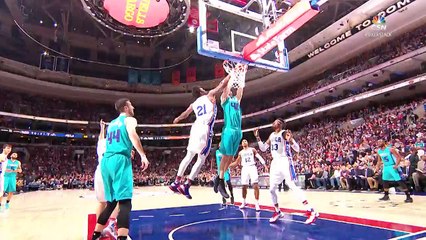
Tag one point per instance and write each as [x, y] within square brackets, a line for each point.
[278, 124]
[381, 143]
[7, 148]
[233, 92]
[198, 91]
[123, 105]
[14, 155]
[244, 143]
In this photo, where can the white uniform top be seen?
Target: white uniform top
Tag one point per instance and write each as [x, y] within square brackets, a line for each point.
[3, 165]
[204, 110]
[247, 157]
[101, 148]
[277, 146]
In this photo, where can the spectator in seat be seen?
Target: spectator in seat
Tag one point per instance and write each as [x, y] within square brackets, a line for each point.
[361, 176]
[335, 178]
[322, 178]
[420, 174]
[344, 178]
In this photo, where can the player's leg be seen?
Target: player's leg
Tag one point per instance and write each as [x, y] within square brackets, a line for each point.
[245, 177]
[254, 176]
[276, 176]
[388, 178]
[12, 189]
[181, 171]
[123, 193]
[405, 189]
[227, 178]
[1, 190]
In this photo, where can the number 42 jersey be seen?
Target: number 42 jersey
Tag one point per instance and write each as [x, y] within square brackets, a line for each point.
[117, 140]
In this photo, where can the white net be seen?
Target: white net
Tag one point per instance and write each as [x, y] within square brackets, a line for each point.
[237, 72]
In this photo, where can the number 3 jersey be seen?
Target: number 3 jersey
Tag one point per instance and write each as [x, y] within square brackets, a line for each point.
[117, 140]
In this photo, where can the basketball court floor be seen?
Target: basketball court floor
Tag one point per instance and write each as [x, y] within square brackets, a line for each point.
[159, 214]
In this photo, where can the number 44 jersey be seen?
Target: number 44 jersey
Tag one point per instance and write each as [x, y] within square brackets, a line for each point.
[117, 140]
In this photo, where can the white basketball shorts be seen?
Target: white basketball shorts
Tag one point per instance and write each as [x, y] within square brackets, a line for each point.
[249, 173]
[99, 185]
[200, 139]
[281, 169]
[1, 183]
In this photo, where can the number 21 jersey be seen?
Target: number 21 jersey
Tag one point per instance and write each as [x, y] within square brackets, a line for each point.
[117, 140]
[204, 110]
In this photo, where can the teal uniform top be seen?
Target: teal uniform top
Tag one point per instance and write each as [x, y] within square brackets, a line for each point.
[387, 157]
[232, 113]
[118, 141]
[11, 165]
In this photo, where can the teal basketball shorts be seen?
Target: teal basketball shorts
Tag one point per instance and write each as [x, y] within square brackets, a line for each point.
[230, 141]
[390, 174]
[117, 176]
[10, 184]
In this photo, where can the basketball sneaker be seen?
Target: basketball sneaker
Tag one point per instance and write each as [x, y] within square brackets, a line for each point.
[276, 216]
[408, 200]
[216, 184]
[174, 187]
[110, 231]
[222, 189]
[385, 198]
[312, 217]
[243, 205]
[232, 200]
[184, 190]
[257, 207]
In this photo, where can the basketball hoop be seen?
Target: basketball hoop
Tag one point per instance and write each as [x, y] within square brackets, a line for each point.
[237, 72]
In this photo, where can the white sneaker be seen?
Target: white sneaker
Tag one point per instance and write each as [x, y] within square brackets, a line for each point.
[257, 207]
[313, 216]
[243, 205]
[276, 216]
[110, 231]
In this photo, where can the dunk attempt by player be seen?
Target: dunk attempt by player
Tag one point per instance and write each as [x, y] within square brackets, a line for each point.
[231, 132]
[201, 134]
[390, 174]
[116, 168]
[249, 171]
[281, 142]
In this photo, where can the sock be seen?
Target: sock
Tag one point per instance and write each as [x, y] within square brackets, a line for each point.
[7, 201]
[96, 235]
[277, 209]
[188, 182]
[244, 201]
[122, 238]
[257, 201]
[177, 180]
[407, 193]
[307, 206]
[386, 192]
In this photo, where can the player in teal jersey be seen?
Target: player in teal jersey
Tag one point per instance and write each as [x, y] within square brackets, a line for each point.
[7, 148]
[231, 133]
[227, 176]
[390, 174]
[13, 167]
[116, 168]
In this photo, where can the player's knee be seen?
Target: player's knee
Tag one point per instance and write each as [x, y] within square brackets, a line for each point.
[106, 213]
[255, 185]
[124, 214]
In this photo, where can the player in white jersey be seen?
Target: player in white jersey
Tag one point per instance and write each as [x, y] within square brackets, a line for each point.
[249, 171]
[281, 142]
[7, 148]
[99, 186]
[201, 134]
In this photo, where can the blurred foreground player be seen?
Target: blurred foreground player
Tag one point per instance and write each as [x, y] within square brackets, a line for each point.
[7, 148]
[13, 167]
[116, 168]
[201, 134]
[281, 142]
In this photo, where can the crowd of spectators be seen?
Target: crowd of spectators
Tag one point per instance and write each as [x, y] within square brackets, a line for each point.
[24, 104]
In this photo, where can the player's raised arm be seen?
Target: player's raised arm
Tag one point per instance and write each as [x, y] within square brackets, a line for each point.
[219, 87]
[262, 146]
[183, 115]
[131, 124]
[102, 132]
[289, 137]
[257, 155]
[240, 92]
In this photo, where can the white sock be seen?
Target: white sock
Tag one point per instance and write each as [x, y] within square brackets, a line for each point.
[244, 201]
[277, 209]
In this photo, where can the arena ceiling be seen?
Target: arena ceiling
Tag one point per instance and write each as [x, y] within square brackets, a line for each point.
[63, 18]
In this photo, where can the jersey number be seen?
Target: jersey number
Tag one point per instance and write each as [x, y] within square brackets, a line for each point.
[235, 105]
[247, 159]
[274, 147]
[114, 135]
[385, 159]
[201, 110]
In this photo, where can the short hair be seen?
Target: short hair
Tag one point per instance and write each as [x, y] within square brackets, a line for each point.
[120, 104]
[234, 91]
[196, 91]
[7, 145]
[282, 122]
